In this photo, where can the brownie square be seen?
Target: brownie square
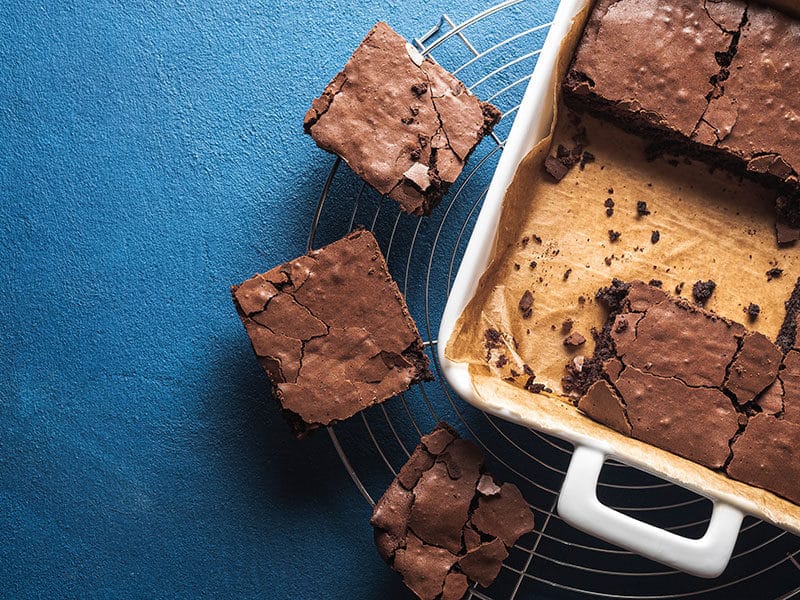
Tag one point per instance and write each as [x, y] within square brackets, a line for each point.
[444, 523]
[332, 331]
[403, 124]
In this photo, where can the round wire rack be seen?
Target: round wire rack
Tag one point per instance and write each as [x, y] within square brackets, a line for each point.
[494, 53]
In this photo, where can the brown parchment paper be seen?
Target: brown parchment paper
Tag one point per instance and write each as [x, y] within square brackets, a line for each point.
[712, 226]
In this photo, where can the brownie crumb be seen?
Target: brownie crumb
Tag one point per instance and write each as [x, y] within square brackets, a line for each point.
[656, 283]
[502, 361]
[533, 264]
[641, 208]
[574, 340]
[610, 190]
[537, 239]
[587, 158]
[566, 326]
[581, 300]
[492, 339]
[524, 241]
[774, 273]
[567, 273]
[679, 288]
[534, 387]
[613, 235]
[555, 168]
[703, 290]
[526, 304]
[753, 310]
[527, 370]
[609, 204]
[655, 236]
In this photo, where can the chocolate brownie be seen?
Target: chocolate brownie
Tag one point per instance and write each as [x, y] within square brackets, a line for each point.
[403, 124]
[714, 79]
[444, 522]
[685, 380]
[332, 332]
[673, 375]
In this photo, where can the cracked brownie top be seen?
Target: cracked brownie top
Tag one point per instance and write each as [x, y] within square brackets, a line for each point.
[403, 124]
[715, 79]
[332, 331]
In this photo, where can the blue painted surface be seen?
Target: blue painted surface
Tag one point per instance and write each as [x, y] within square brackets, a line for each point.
[151, 154]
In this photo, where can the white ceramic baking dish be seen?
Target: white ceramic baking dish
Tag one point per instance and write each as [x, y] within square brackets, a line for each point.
[578, 504]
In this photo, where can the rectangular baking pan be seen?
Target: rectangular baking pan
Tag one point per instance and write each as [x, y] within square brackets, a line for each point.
[578, 504]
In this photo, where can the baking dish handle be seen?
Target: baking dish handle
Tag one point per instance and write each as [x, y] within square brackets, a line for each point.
[579, 506]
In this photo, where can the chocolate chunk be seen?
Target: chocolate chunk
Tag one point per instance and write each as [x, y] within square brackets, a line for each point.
[526, 304]
[454, 526]
[754, 369]
[330, 348]
[574, 340]
[703, 290]
[774, 273]
[399, 120]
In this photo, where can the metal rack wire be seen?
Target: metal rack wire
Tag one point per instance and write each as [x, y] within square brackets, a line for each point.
[494, 53]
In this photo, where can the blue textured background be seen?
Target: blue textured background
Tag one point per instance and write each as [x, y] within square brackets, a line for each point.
[151, 154]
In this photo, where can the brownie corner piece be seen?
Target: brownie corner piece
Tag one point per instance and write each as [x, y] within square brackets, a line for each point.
[400, 121]
[444, 522]
[332, 331]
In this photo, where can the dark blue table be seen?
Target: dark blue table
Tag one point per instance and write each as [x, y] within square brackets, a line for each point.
[151, 154]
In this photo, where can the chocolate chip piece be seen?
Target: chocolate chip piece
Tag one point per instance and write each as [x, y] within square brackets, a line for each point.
[774, 273]
[641, 208]
[574, 340]
[419, 89]
[613, 236]
[655, 236]
[526, 304]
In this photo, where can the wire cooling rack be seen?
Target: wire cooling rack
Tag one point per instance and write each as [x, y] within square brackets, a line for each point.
[494, 53]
